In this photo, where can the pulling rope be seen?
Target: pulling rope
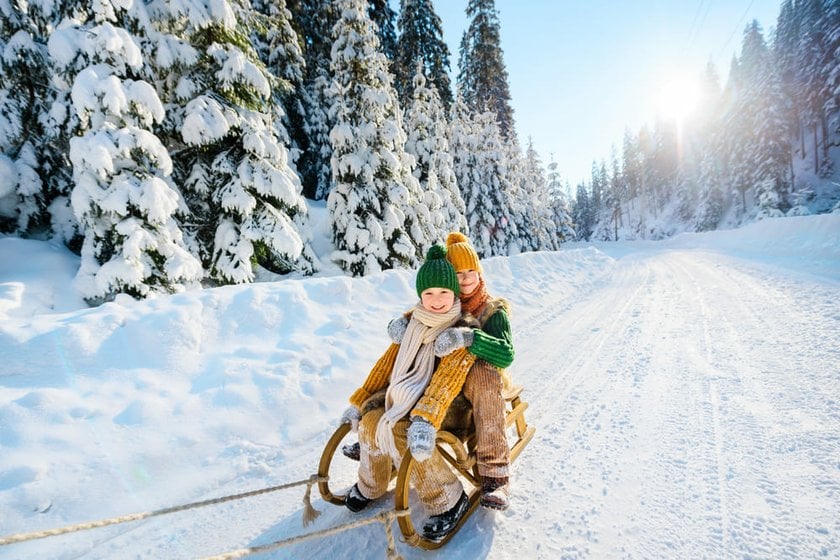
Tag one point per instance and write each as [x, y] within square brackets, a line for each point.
[385, 517]
[309, 513]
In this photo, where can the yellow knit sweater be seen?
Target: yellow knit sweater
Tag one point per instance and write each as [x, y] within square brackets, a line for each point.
[448, 378]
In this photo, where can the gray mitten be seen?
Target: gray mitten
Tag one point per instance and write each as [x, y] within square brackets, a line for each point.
[352, 416]
[451, 339]
[397, 327]
[421, 439]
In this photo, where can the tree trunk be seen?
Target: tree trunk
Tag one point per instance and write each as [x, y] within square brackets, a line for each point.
[824, 127]
[801, 132]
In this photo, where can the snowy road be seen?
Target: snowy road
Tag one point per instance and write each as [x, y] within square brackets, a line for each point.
[692, 403]
[686, 395]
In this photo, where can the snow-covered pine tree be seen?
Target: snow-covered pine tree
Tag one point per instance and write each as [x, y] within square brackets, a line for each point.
[245, 202]
[785, 46]
[428, 142]
[811, 79]
[582, 213]
[603, 212]
[378, 219]
[832, 71]
[616, 197]
[421, 39]
[517, 194]
[24, 75]
[314, 21]
[535, 190]
[280, 50]
[595, 190]
[775, 153]
[706, 152]
[482, 76]
[559, 205]
[755, 131]
[711, 200]
[123, 196]
[478, 154]
[381, 14]
[36, 122]
[314, 163]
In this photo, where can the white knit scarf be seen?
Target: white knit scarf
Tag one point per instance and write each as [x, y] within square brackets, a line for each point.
[413, 369]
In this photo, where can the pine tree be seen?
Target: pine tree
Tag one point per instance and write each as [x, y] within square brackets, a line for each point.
[35, 125]
[603, 210]
[314, 21]
[520, 206]
[617, 195]
[24, 75]
[831, 106]
[757, 139]
[595, 189]
[245, 203]
[535, 191]
[483, 179]
[631, 166]
[785, 46]
[123, 196]
[811, 79]
[381, 14]
[482, 76]
[582, 213]
[711, 205]
[428, 142]
[375, 207]
[279, 49]
[421, 40]
[559, 204]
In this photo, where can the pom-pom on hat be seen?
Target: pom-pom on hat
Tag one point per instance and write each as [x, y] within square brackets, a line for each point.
[461, 253]
[436, 272]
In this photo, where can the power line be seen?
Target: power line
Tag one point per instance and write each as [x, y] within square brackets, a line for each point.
[737, 27]
[692, 28]
[703, 19]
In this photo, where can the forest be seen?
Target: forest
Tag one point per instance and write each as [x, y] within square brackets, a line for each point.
[175, 144]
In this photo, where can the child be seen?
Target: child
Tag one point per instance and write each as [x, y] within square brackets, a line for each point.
[492, 346]
[412, 361]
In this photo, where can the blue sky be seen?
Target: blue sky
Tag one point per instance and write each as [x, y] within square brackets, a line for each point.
[581, 72]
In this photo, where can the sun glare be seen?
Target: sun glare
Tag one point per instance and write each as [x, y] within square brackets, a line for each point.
[677, 98]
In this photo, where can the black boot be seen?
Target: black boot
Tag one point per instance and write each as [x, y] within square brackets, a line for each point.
[495, 493]
[438, 526]
[355, 501]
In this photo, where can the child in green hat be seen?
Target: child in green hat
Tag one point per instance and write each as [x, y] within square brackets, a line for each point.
[383, 432]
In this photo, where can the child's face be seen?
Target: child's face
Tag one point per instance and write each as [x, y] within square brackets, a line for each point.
[437, 300]
[468, 280]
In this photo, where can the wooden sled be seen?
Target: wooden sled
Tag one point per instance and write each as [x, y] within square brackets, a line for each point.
[459, 452]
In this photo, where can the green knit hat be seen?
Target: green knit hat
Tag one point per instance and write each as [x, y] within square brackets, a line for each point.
[437, 272]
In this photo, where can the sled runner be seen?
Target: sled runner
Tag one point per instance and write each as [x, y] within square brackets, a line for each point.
[456, 443]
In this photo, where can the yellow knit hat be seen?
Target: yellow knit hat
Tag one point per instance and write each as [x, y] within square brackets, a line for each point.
[461, 253]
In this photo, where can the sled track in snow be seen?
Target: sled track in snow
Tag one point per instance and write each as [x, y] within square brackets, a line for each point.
[679, 378]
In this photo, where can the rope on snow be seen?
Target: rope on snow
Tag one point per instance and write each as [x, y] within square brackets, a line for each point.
[309, 512]
[385, 517]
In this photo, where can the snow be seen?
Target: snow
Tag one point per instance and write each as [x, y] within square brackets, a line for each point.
[206, 121]
[684, 393]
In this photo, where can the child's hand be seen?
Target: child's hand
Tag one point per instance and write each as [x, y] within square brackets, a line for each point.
[421, 439]
[397, 327]
[451, 339]
[352, 416]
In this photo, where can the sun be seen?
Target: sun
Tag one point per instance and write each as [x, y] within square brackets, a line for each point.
[677, 97]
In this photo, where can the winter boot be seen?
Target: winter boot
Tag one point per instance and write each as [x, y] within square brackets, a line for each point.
[352, 451]
[355, 501]
[438, 526]
[495, 493]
